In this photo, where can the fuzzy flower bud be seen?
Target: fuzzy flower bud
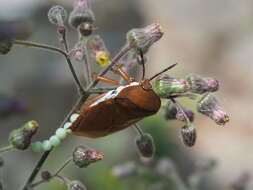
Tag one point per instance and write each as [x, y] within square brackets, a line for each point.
[46, 175]
[166, 86]
[145, 145]
[82, 17]
[189, 134]
[5, 46]
[172, 112]
[125, 170]
[200, 85]
[76, 185]
[84, 156]
[209, 106]
[143, 38]
[98, 51]
[21, 138]
[57, 15]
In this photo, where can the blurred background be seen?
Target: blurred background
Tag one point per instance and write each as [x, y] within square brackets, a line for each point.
[210, 38]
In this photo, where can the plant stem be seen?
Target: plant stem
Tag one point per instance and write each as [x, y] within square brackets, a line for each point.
[138, 129]
[181, 109]
[7, 148]
[122, 52]
[55, 175]
[54, 49]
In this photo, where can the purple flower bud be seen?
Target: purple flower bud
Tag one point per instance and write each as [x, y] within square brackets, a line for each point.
[21, 138]
[46, 175]
[57, 15]
[76, 185]
[145, 145]
[125, 170]
[84, 156]
[166, 86]
[82, 17]
[172, 112]
[5, 46]
[209, 106]
[143, 38]
[189, 134]
[200, 85]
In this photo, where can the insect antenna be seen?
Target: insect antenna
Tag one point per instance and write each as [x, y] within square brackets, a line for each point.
[168, 68]
[142, 63]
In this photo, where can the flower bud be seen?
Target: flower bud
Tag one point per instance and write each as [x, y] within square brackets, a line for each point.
[84, 156]
[166, 86]
[46, 175]
[145, 145]
[21, 138]
[189, 134]
[125, 170]
[57, 15]
[76, 185]
[5, 46]
[172, 112]
[209, 106]
[82, 17]
[200, 85]
[143, 38]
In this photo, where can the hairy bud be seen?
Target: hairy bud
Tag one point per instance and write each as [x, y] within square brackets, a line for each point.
[5, 46]
[209, 106]
[166, 86]
[189, 134]
[46, 175]
[143, 38]
[145, 145]
[200, 85]
[82, 17]
[172, 112]
[21, 138]
[57, 15]
[76, 185]
[98, 51]
[125, 170]
[84, 156]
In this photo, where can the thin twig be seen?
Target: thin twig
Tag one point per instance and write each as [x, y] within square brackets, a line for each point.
[55, 175]
[54, 49]
[7, 148]
[138, 129]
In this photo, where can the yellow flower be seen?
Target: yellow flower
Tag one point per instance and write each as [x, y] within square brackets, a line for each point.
[102, 58]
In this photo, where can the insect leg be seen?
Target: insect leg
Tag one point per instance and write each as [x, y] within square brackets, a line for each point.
[123, 74]
[105, 79]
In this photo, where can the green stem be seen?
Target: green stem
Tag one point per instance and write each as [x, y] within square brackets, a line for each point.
[138, 129]
[7, 148]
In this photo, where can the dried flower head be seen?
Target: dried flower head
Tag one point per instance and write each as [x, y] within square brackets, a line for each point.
[84, 156]
[166, 86]
[5, 45]
[200, 85]
[172, 112]
[82, 17]
[125, 170]
[209, 106]
[76, 185]
[57, 15]
[143, 38]
[145, 145]
[189, 134]
[21, 138]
